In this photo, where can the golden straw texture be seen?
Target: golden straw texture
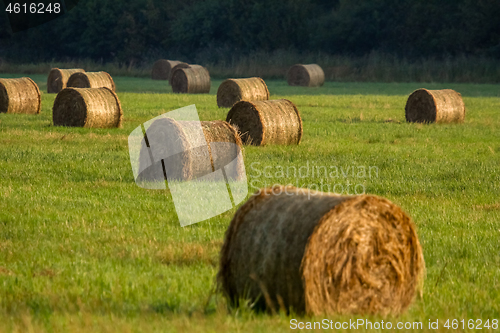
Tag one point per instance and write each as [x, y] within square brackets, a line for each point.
[232, 91]
[20, 96]
[435, 106]
[87, 107]
[318, 253]
[58, 79]
[91, 80]
[267, 122]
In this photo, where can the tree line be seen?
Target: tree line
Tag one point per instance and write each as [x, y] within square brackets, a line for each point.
[140, 30]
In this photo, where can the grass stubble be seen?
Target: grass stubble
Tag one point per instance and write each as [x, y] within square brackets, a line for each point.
[84, 249]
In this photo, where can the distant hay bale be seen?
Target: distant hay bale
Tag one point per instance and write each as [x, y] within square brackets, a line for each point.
[267, 122]
[318, 253]
[192, 80]
[306, 75]
[87, 107]
[91, 80]
[180, 65]
[435, 106]
[187, 155]
[162, 69]
[58, 78]
[232, 91]
[20, 96]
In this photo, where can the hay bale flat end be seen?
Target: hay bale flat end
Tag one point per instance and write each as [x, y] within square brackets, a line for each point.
[321, 254]
[194, 79]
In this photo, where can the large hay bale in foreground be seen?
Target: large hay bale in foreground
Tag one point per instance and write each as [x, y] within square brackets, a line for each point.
[20, 96]
[91, 80]
[306, 75]
[190, 152]
[267, 122]
[87, 107]
[319, 253]
[194, 79]
[58, 79]
[231, 91]
[162, 69]
[435, 106]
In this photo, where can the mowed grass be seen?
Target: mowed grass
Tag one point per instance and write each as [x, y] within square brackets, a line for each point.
[82, 248]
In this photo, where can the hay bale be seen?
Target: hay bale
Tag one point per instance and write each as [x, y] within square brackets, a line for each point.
[180, 65]
[20, 96]
[267, 122]
[87, 107]
[188, 156]
[192, 80]
[162, 69]
[91, 80]
[58, 78]
[306, 75]
[231, 91]
[319, 253]
[435, 106]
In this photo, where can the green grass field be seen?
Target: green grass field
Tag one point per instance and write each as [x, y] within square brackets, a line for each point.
[83, 248]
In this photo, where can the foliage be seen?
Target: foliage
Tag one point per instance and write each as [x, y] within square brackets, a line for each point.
[139, 30]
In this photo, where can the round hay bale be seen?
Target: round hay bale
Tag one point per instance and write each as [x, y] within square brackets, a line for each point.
[163, 68]
[306, 75]
[192, 80]
[58, 78]
[319, 253]
[20, 96]
[180, 65]
[91, 80]
[87, 107]
[231, 91]
[435, 106]
[187, 157]
[267, 122]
